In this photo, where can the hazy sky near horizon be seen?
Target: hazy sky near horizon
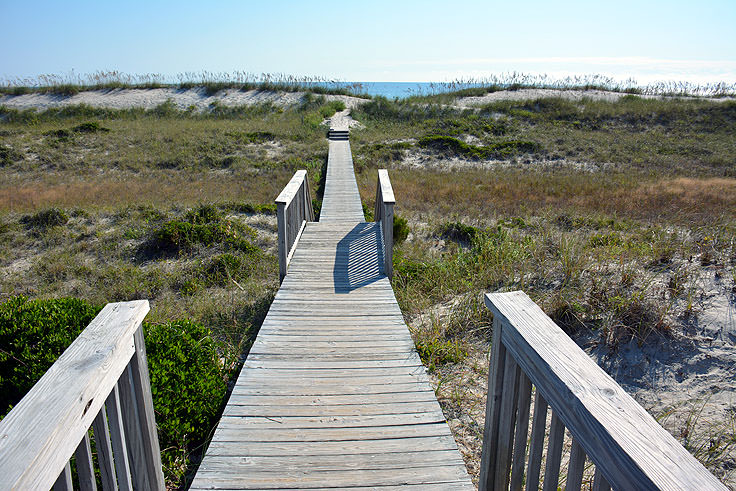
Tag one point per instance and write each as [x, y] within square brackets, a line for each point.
[377, 41]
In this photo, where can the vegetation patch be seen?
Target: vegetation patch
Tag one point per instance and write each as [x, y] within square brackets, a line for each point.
[452, 146]
[203, 226]
[45, 219]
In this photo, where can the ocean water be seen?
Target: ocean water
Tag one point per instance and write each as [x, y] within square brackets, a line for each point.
[393, 90]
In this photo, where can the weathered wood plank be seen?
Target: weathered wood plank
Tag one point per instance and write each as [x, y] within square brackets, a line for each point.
[85, 470]
[64, 481]
[536, 445]
[104, 451]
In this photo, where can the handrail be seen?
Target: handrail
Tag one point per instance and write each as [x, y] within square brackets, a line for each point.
[101, 380]
[293, 210]
[629, 448]
[384, 213]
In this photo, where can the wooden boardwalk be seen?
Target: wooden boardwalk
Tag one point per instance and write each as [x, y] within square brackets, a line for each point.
[333, 394]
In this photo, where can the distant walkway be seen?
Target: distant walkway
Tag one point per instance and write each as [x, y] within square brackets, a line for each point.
[333, 394]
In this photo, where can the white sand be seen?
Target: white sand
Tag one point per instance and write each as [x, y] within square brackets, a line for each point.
[150, 98]
[573, 95]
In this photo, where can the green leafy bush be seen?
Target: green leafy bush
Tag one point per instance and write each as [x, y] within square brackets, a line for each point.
[8, 155]
[188, 383]
[32, 335]
[90, 127]
[459, 232]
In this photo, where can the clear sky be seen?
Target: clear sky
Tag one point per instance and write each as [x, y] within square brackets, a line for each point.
[373, 41]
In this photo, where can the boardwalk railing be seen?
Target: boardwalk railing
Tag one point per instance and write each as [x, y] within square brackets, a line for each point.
[101, 381]
[384, 213]
[628, 447]
[294, 210]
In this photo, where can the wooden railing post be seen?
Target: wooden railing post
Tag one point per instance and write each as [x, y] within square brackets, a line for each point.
[384, 214]
[293, 211]
[283, 251]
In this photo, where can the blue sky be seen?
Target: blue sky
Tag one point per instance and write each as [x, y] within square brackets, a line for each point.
[373, 41]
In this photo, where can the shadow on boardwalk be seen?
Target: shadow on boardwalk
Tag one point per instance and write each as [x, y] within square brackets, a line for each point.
[358, 258]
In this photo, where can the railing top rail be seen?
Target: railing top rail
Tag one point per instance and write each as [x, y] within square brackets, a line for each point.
[631, 449]
[39, 435]
[387, 192]
[289, 192]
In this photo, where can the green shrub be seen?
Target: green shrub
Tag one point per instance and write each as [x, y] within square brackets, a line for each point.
[188, 383]
[401, 229]
[223, 267]
[203, 226]
[459, 232]
[91, 127]
[46, 219]
[33, 334]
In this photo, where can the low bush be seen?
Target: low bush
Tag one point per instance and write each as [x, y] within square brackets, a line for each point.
[458, 232]
[401, 229]
[46, 218]
[33, 334]
[202, 226]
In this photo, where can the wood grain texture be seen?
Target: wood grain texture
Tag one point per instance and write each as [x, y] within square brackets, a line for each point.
[104, 451]
[629, 447]
[39, 435]
[333, 394]
[85, 469]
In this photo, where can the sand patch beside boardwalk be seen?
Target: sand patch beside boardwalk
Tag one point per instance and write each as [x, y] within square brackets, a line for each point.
[150, 98]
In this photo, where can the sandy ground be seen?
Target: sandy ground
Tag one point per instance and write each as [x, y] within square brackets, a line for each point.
[150, 98]
[342, 120]
[573, 95]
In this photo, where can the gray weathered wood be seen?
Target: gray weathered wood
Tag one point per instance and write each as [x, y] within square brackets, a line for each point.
[147, 472]
[293, 211]
[576, 467]
[384, 214]
[632, 450]
[522, 430]
[85, 470]
[40, 434]
[64, 481]
[104, 451]
[554, 454]
[599, 482]
[493, 410]
[536, 445]
[117, 439]
[506, 422]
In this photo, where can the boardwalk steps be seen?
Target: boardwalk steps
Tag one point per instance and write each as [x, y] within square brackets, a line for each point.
[333, 394]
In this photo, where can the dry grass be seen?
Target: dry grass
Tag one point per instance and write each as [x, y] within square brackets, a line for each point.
[511, 192]
[155, 189]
